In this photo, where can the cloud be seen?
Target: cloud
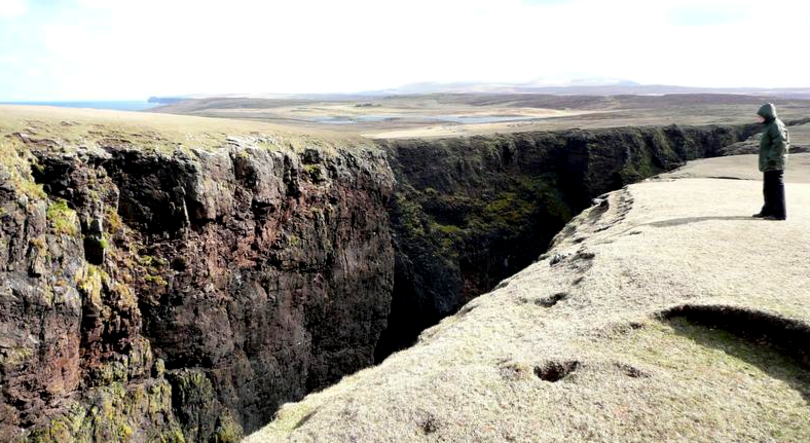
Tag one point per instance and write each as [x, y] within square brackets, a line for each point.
[88, 49]
[9, 61]
[546, 2]
[703, 17]
[10, 9]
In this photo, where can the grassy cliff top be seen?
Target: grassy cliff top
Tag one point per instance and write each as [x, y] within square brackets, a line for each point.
[664, 313]
[741, 167]
[63, 127]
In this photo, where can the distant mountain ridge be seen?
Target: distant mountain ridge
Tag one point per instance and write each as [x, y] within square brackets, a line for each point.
[590, 86]
[594, 86]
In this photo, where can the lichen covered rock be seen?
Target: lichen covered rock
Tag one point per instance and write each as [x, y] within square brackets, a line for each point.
[184, 295]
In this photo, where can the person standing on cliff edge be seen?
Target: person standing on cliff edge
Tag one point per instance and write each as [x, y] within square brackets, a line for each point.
[773, 151]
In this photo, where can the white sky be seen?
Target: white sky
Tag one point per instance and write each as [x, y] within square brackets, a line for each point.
[113, 49]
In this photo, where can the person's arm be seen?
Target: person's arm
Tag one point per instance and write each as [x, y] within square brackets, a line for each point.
[779, 142]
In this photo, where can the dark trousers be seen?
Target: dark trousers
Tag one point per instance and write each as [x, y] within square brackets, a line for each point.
[774, 192]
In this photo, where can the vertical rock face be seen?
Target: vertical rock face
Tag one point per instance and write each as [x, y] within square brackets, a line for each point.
[184, 296]
[468, 213]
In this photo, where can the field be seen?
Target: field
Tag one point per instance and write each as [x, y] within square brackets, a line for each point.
[207, 123]
[71, 128]
[447, 115]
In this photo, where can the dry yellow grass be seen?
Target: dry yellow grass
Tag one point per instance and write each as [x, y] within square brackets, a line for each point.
[87, 127]
[416, 116]
[577, 348]
[742, 167]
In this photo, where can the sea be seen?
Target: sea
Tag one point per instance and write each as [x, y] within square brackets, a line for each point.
[118, 105]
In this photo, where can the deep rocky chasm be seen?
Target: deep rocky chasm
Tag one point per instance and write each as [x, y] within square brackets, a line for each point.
[468, 213]
[185, 296]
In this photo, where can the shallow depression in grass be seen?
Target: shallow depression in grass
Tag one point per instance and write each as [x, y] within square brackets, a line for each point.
[719, 381]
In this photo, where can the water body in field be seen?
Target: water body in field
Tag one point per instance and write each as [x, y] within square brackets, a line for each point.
[461, 119]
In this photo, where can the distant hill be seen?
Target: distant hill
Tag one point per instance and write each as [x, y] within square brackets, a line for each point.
[165, 100]
[598, 86]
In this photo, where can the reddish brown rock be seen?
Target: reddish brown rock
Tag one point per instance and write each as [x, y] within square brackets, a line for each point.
[250, 276]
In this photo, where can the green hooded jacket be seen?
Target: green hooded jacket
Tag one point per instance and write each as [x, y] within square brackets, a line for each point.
[775, 142]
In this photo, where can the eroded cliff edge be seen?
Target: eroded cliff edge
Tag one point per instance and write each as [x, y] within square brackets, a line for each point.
[469, 212]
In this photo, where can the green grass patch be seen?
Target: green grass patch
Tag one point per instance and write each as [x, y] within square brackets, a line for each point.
[63, 220]
[156, 279]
